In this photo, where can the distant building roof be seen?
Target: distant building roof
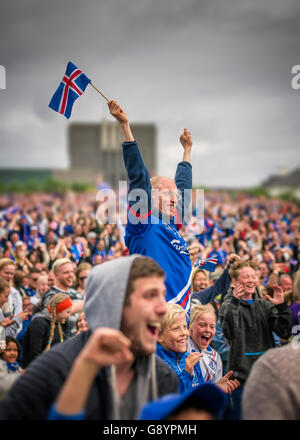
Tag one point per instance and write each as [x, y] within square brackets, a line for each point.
[289, 180]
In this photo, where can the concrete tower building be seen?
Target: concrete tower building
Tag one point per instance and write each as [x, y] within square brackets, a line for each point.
[95, 150]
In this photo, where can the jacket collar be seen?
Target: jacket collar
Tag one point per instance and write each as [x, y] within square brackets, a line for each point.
[162, 352]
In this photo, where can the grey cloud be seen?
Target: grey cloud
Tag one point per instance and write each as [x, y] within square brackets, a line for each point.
[220, 68]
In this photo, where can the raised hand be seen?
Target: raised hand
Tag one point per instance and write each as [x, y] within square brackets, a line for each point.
[186, 139]
[232, 257]
[23, 315]
[194, 250]
[106, 347]
[191, 361]
[226, 384]
[238, 291]
[278, 295]
[117, 112]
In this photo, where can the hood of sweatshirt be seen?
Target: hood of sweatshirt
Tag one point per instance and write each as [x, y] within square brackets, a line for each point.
[43, 314]
[105, 292]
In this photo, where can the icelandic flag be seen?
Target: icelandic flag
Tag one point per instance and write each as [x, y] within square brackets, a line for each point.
[72, 86]
[208, 264]
[77, 252]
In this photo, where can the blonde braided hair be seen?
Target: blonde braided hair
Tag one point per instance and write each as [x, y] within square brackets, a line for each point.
[53, 302]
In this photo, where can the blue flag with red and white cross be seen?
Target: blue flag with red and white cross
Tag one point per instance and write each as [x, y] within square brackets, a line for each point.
[209, 264]
[72, 86]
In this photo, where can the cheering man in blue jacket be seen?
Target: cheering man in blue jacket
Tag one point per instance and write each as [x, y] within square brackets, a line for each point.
[151, 228]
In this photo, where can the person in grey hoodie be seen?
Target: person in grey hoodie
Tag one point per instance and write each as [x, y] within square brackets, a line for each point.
[110, 371]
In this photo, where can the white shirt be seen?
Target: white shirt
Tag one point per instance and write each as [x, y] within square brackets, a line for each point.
[211, 364]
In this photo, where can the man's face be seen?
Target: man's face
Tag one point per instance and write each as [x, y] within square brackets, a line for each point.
[98, 259]
[43, 286]
[51, 279]
[165, 197]
[101, 245]
[142, 318]
[92, 241]
[263, 270]
[20, 250]
[82, 276]
[14, 237]
[8, 272]
[286, 283]
[203, 330]
[65, 275]
[174, 337]
[215, 245]
[27, 306]
[33, 280]
[78, 230]
[248, 279]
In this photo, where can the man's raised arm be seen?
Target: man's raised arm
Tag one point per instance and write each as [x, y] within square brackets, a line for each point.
[186, 142]
[139, 178]
[183, 176]
[105, 347]
[117, 112]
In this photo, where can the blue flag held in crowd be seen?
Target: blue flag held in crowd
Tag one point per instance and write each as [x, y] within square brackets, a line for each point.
[72, 86]
[209, 264]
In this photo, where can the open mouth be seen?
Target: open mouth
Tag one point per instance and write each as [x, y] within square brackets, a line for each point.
[154, 329]
[205, 340]
[171, 205]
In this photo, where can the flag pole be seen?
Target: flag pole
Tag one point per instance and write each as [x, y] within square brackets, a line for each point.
[99, 91]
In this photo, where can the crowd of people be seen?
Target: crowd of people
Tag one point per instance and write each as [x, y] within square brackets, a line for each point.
[110, 295]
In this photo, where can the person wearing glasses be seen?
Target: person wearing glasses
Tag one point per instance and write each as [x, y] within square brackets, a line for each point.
[152, 229]
[82, 272]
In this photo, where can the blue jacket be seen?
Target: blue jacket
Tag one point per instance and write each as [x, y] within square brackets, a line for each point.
[149, 233]
[177, 362]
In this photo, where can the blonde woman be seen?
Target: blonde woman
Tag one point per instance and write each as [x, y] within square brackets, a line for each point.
[202, 331]
[202, 292]
[200, 279]
[46, 330]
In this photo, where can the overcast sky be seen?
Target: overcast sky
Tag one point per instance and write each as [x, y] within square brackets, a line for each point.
[221, 68]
